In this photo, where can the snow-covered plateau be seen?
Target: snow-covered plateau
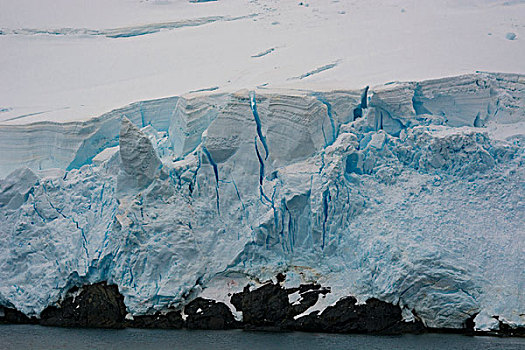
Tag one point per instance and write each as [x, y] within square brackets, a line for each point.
[412, 193]
[70, 60]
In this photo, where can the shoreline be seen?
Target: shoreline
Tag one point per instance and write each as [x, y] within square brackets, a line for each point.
[101, 306]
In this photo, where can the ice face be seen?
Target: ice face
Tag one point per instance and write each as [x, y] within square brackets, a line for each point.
[138, 157]
[409, 192]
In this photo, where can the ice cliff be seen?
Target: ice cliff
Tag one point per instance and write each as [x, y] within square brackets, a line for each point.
[409, 192]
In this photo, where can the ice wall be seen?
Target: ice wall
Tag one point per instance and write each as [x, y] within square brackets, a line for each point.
[408, 192]
[46, 145]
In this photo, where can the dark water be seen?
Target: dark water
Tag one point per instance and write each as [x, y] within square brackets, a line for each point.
[37, 337]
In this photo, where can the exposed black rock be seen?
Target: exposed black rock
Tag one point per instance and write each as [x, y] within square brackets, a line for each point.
[309, 294]
[281, 277]
[264, 307]
[98, 305]
[470, 324]
[209, 314]
[346, 316]
[506, 330]
[169, 320]
[268, 307]
[13, 316]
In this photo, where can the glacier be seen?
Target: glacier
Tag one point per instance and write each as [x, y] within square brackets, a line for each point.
[409, 192]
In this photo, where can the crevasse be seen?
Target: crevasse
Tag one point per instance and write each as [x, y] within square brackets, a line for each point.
[417, 200]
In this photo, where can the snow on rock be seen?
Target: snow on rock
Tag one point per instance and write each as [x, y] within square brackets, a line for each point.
[401, 192]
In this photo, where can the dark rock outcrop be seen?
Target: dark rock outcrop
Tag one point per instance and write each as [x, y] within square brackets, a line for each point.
[268, 307]
[98, 305]
[470, 324]
[209, 314]
[346, 316]
[13, 316]
[265, 307]
[309, 294]
[170, 320]
[505, 329]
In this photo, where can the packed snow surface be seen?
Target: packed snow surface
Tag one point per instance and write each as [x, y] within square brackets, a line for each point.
[409, 192]
[66, 60]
